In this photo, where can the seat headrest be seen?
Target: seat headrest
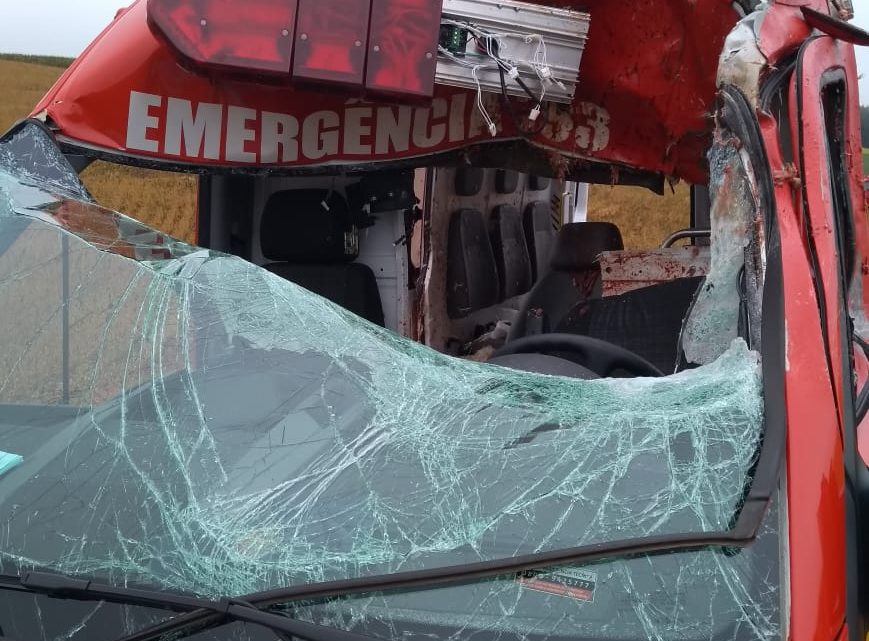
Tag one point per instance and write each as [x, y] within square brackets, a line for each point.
[297, 228]
[577, 245]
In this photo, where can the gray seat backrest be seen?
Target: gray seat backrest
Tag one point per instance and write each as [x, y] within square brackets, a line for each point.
[472, 277]
[539, 236]
[572, 276]
[510, 251]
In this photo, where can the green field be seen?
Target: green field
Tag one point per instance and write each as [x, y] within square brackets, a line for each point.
[48, 61]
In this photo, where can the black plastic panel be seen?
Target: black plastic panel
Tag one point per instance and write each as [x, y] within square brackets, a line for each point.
[506, 181]
[538, 183]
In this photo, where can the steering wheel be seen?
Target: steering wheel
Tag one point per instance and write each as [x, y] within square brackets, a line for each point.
[599, 356]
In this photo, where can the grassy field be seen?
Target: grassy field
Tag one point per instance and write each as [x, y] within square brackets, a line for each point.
[644, 218]
[167, 201]
[48, 61]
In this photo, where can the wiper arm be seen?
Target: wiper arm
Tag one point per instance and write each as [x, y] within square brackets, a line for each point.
[58, 586]
[742, 534]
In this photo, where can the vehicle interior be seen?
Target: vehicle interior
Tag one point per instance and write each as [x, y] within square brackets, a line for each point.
[453, 227]
[488, 264]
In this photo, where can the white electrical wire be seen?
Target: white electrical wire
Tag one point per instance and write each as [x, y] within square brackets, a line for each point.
[461, 61]
[493, 128]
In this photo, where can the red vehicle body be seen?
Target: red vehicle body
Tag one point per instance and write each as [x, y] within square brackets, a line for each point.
[645, 112]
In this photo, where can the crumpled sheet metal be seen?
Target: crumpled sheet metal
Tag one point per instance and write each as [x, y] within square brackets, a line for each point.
[234, 432]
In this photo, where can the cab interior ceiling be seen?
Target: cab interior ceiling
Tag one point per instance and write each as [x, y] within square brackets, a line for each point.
[515, 155]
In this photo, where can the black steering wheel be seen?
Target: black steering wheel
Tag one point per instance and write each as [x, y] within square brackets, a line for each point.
[599, 356]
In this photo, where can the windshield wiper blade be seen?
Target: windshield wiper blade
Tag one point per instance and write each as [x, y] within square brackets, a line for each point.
[59, 586]
[66, 587]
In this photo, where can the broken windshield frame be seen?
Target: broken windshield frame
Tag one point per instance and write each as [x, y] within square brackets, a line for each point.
[743, 531]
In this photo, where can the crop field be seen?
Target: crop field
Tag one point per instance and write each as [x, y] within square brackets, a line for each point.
[167, 201]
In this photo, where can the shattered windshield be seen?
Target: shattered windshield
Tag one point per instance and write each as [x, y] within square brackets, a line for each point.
[179, 418]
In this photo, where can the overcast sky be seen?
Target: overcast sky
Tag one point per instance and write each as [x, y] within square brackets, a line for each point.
[65, 27]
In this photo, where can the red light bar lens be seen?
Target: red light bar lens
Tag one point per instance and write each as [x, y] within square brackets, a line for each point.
[403, 46]
[249, 35]
[331, 40]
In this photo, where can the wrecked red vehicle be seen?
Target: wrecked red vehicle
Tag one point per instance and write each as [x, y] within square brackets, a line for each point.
[480, 416]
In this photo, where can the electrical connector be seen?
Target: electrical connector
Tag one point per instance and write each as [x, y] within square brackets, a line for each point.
[535, 114]
[513, 72]
[493, 129]
[546, 73]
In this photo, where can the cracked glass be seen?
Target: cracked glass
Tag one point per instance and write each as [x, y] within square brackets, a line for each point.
[183, 419]
[714, 321]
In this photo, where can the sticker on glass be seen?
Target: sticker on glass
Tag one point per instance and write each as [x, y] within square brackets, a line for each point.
[570, 583]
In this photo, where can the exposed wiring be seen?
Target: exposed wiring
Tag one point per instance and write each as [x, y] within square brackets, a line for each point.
[475, 68]
[489, 57]
[461, 61]
[513, 72]
[491, 46]
[508, 104]
[493, 128]
[538, 64]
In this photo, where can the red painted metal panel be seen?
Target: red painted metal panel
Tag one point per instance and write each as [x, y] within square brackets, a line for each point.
[819, 56]
[815, 468]
[815, 391]
[781, 30]
[647, 85]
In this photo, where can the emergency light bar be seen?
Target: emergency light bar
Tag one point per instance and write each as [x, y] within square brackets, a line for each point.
[383, 46]
[254, 36]
[331, 41]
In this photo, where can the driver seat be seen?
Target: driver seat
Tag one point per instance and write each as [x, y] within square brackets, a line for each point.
[646, 321]
[572, 275]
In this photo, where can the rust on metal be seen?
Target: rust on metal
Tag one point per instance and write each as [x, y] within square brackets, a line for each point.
[623, 271]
